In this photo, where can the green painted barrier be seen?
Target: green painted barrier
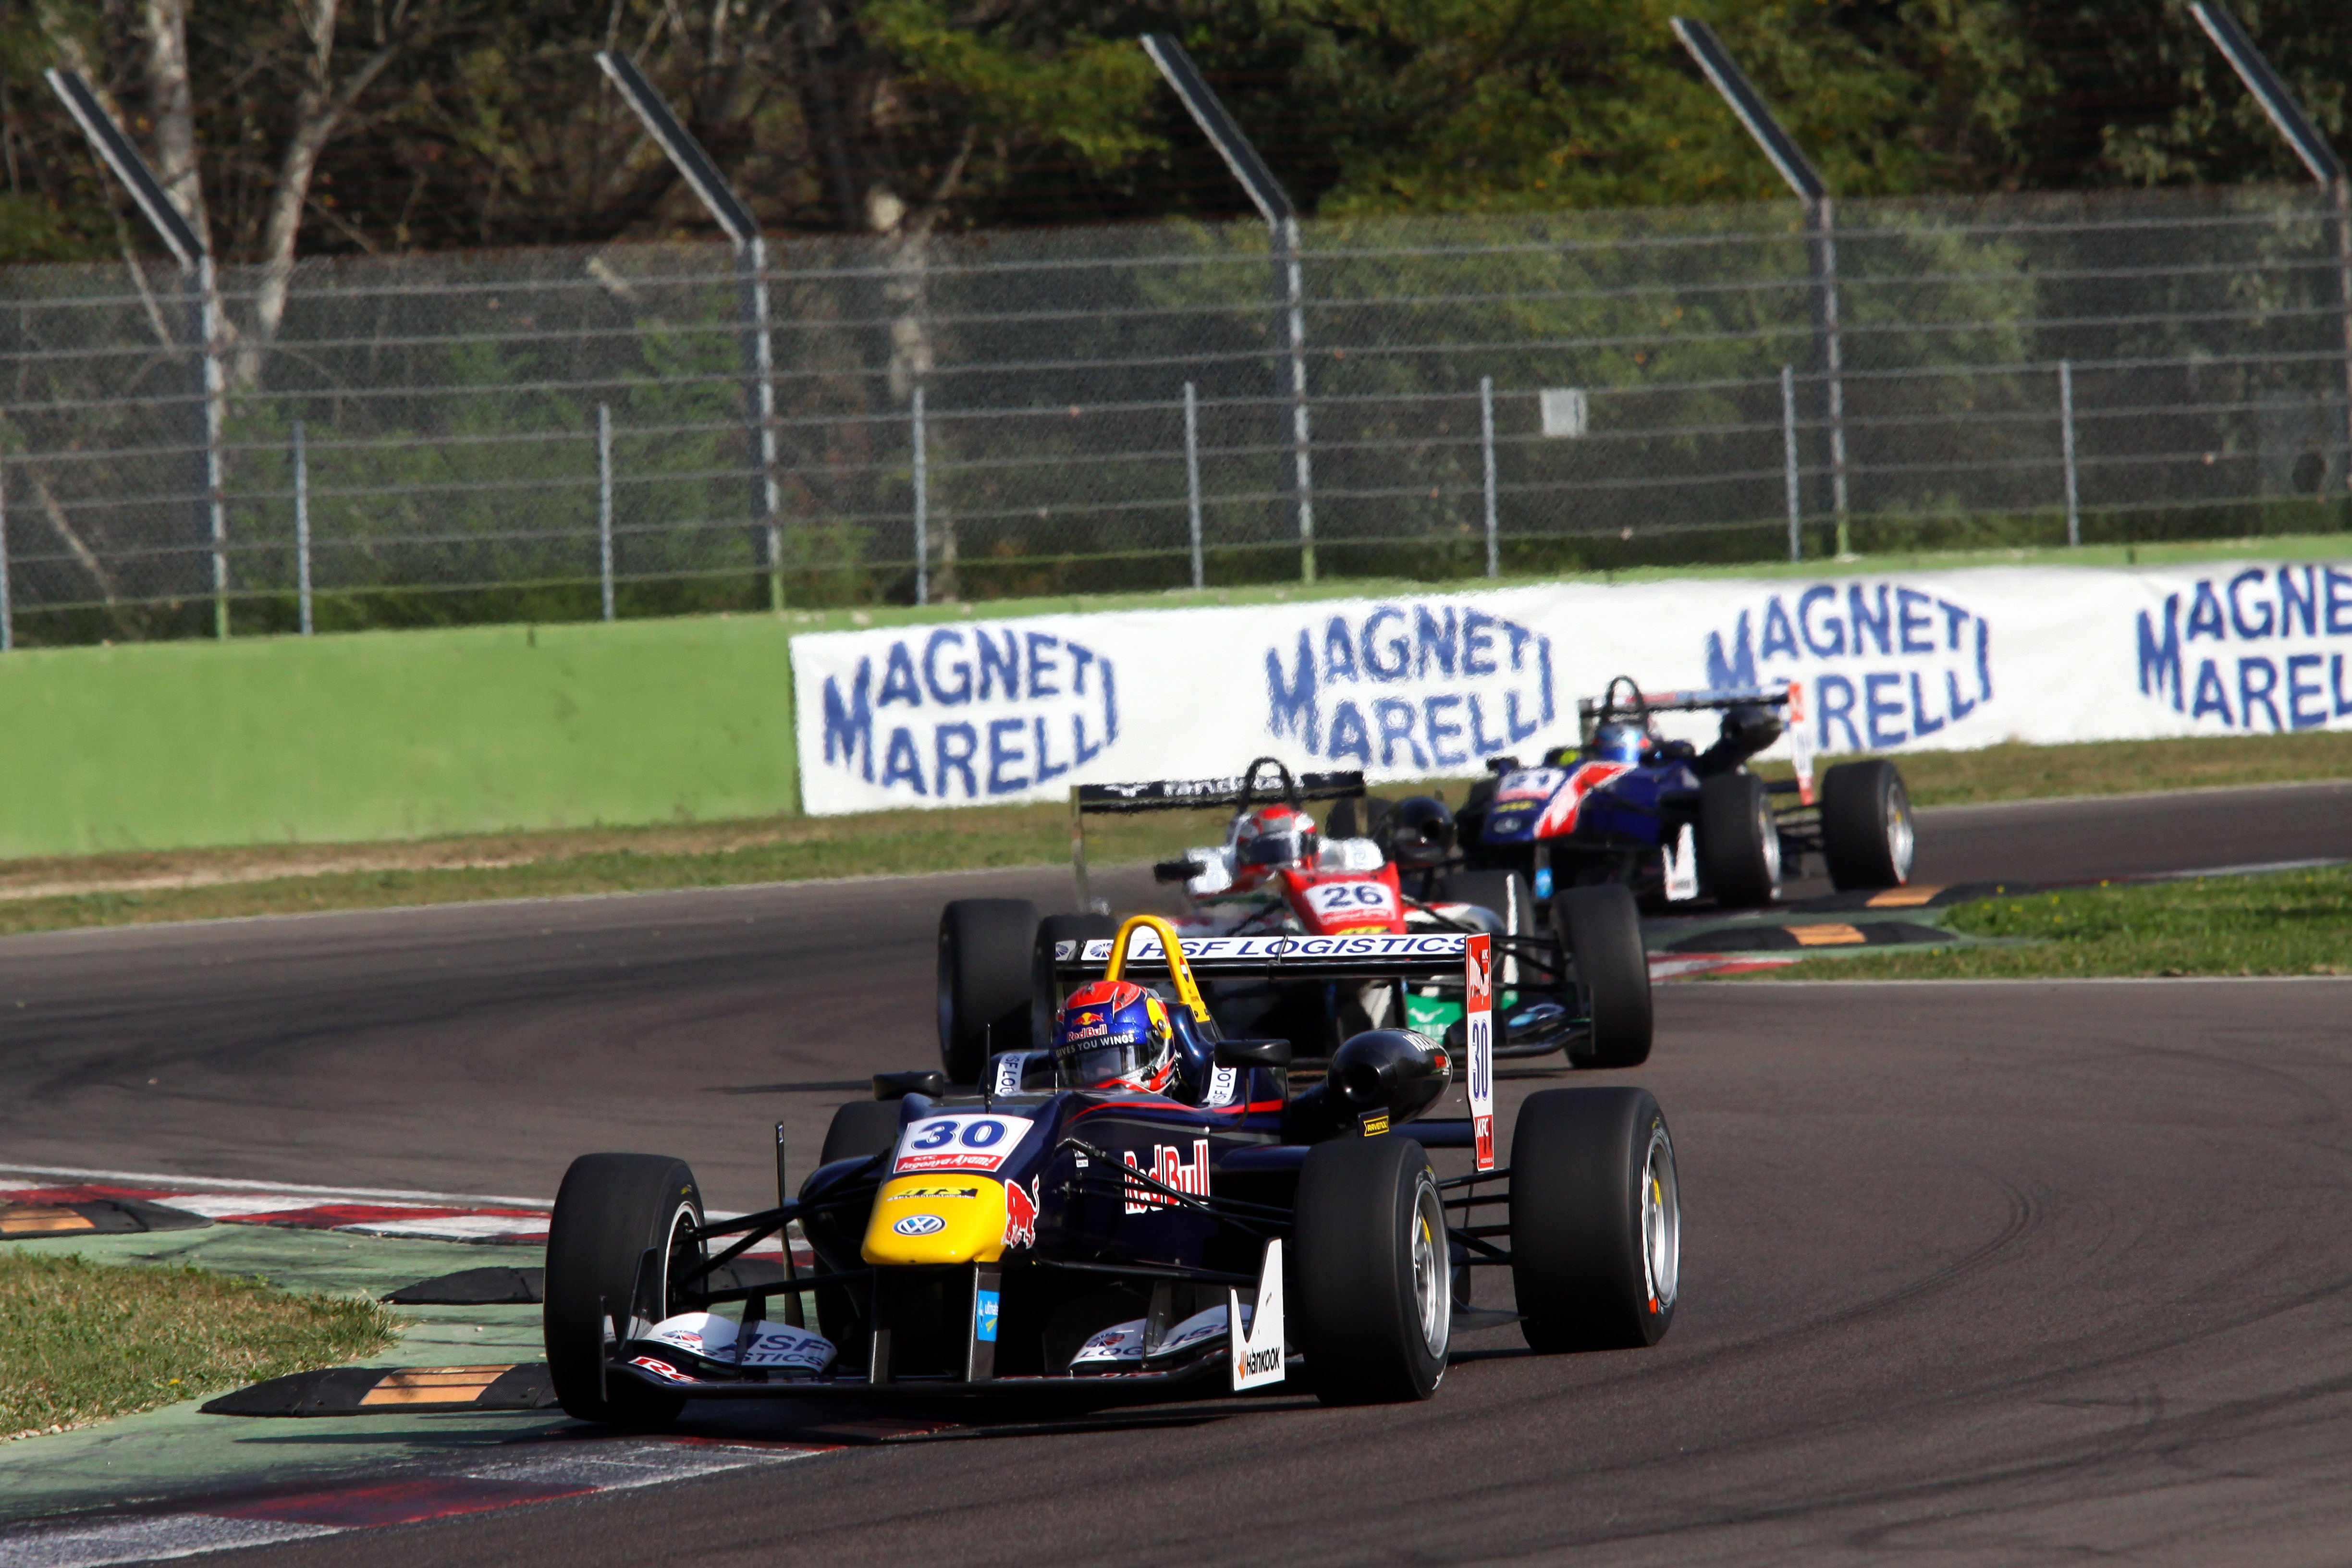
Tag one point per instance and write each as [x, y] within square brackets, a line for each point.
[394, 734]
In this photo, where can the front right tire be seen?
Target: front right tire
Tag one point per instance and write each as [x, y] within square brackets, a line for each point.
[1596, 1220]
[1866, 832]
[610, 1210]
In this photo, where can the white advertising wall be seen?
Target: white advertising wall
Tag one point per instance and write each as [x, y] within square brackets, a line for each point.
[1003, 710]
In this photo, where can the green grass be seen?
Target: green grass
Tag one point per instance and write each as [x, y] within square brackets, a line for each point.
[84, 1342]
[142, 887]
[2285, 922]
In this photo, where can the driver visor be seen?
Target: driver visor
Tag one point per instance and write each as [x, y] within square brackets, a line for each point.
[1089, 1062]
[1271, 849]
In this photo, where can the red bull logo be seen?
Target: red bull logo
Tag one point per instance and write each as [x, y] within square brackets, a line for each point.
[1021, 1214]
[1169, 1169]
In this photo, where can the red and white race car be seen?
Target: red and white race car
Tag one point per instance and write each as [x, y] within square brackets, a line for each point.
[1279, 872]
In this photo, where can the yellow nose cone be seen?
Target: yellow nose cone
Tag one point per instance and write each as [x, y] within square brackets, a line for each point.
[943, 1217]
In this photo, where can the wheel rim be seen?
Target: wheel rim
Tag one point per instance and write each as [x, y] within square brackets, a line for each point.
[683, 1254]
[1900, 839]
[1768, 834]
[1662, 1223]
[1432, 1293]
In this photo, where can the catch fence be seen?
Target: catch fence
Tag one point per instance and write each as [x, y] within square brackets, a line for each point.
[571, 432]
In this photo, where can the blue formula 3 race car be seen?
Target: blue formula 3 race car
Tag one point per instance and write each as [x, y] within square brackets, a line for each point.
[1109, 1243]
[1674, 823]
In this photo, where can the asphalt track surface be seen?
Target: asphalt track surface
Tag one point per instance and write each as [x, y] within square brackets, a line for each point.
[1998, 1273]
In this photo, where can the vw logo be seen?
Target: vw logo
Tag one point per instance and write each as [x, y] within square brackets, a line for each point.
[920, 1225]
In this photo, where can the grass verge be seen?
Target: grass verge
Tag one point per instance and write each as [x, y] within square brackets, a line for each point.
[2282, 922]
[89, 1341]
[139, 888]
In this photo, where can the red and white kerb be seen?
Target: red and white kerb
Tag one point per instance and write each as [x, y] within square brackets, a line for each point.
[1478, 1016]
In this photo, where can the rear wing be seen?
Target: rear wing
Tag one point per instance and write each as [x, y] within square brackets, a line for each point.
[1411, 955]
[1238, 792]
[1784, 694]
[1205, 795]
[1779, 694]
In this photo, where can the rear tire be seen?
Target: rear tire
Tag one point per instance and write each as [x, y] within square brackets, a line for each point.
[983, 981]
[1599, 931]
[861, 1130]
[1370, 1291]
[1866, 832]
[1045, 991]
[1738, 841]
[610, 1209]
[1596, 1220]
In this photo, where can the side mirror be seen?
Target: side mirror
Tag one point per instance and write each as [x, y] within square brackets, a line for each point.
[931, 1084]
[1176, 870]
[1253, 1053]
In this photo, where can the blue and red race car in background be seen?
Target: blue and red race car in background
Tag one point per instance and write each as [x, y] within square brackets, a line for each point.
[1673, 823]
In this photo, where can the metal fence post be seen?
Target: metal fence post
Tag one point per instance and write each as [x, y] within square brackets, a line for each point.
[2066, 424]
[1789, 461]
[1192, 476]
[7, 610]
[302, 526]
[922, 509]
[605, 502]
[1303, 459]
[1487, 439]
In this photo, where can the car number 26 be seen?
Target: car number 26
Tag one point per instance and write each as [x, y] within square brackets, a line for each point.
[1333, 900]
[960, 1141]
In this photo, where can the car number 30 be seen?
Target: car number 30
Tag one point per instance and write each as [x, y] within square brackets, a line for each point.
[1330, 900]
[960, 1143]
[984, 1133]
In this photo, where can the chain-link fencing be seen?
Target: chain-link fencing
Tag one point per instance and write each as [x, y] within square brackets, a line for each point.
[571, 432]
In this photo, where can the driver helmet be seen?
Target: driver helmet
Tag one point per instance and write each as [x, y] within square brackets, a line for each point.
[1420, 832]
[1618, 741]
[1271, 836]
[1114, 1034]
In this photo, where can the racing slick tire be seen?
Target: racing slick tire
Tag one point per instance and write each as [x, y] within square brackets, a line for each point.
[861, 1130]
[1045, 991]
[1505, 892]
[609, 1211]
[1599, 932]
[1596, 1220]
[1370, 1271]
[1867, 835]
[1738, 841]
[983, 981]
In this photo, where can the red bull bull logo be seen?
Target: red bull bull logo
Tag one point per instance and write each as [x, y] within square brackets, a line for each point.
[1169, 1169]
[1021, 1214]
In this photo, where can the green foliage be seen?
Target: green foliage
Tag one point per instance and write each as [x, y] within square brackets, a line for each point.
[2294, 922]
[89, 1340]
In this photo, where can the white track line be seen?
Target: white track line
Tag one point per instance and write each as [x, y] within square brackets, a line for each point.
[234, 1184]
[2125, 797]
[1771, 986]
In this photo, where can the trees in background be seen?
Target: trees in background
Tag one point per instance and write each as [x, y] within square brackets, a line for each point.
[287, 126]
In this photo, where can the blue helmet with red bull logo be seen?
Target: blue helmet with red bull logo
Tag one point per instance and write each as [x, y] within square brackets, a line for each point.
[1114, 1034]
[1618, 741]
